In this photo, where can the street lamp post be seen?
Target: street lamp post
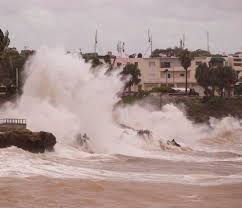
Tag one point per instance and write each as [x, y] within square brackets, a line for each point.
[166, 77]
[166, 71]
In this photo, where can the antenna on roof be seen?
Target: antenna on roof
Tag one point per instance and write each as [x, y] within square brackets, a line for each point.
[150, 40]
[95, 45]
[208, 42]
[183, 41]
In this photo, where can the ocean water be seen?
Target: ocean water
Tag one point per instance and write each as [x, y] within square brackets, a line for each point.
[118, 167]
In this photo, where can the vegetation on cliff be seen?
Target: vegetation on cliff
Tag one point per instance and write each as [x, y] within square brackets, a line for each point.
[11, 64]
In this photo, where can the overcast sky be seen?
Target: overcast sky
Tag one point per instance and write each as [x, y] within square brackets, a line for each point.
[72, 23]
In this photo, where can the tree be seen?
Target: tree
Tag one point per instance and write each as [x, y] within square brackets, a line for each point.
[4, 40]
[107, 59]
[96, 62]
[132, 73]
[201, 53]
[167, 52]
[233, 78]
[185, 58]
[10, 61]
[93, 59]
[203, 77]
[226, 79]
[220, 78]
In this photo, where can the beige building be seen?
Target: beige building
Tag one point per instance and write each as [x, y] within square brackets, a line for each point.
[168, 71]
[162, 71]
[235, 61]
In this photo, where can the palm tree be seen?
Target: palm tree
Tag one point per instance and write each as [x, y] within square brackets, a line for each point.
[203, 77]
[133, 71]
[185, 58]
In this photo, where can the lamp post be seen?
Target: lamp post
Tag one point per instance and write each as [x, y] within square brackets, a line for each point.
[166, 71]
[167, 77]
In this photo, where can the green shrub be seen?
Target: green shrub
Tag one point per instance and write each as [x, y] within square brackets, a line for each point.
[162, 89]
[142, 93]
[215, 102]
[238, 90]
[128, 99]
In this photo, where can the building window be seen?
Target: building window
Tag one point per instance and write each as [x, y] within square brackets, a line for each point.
[237, 64]
[151, 64]
[165, 64]
[182, 75]
[168, 76]
[237, 60]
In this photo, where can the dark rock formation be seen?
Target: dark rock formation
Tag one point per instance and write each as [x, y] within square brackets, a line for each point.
[35, 142]
[174, 143]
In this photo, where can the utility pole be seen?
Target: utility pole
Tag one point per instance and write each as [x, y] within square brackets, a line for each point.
[167, 77]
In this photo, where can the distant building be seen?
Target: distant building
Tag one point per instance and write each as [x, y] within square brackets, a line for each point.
[235, 61]
[163, 71]
[156, 71]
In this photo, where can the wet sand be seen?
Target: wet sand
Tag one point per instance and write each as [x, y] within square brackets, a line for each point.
[41, 192]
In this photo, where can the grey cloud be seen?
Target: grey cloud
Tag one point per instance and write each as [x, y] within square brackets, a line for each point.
[73, 22]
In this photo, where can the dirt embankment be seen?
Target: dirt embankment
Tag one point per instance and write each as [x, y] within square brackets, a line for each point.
[200, 109]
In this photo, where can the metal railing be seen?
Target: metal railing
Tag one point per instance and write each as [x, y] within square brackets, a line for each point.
[13, 121]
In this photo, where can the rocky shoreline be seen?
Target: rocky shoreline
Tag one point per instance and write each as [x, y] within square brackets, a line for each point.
[35, 142]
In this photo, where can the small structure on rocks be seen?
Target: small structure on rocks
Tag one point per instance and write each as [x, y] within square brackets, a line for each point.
[12, 123]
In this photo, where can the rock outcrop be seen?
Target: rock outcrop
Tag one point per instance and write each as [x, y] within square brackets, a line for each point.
[35, 142]
[173, 143]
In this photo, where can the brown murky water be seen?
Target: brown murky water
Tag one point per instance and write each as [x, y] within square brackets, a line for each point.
[128, 169]
[72, 193]
[171, 177]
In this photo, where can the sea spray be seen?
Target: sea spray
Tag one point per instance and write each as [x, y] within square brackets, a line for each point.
[62, 95]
